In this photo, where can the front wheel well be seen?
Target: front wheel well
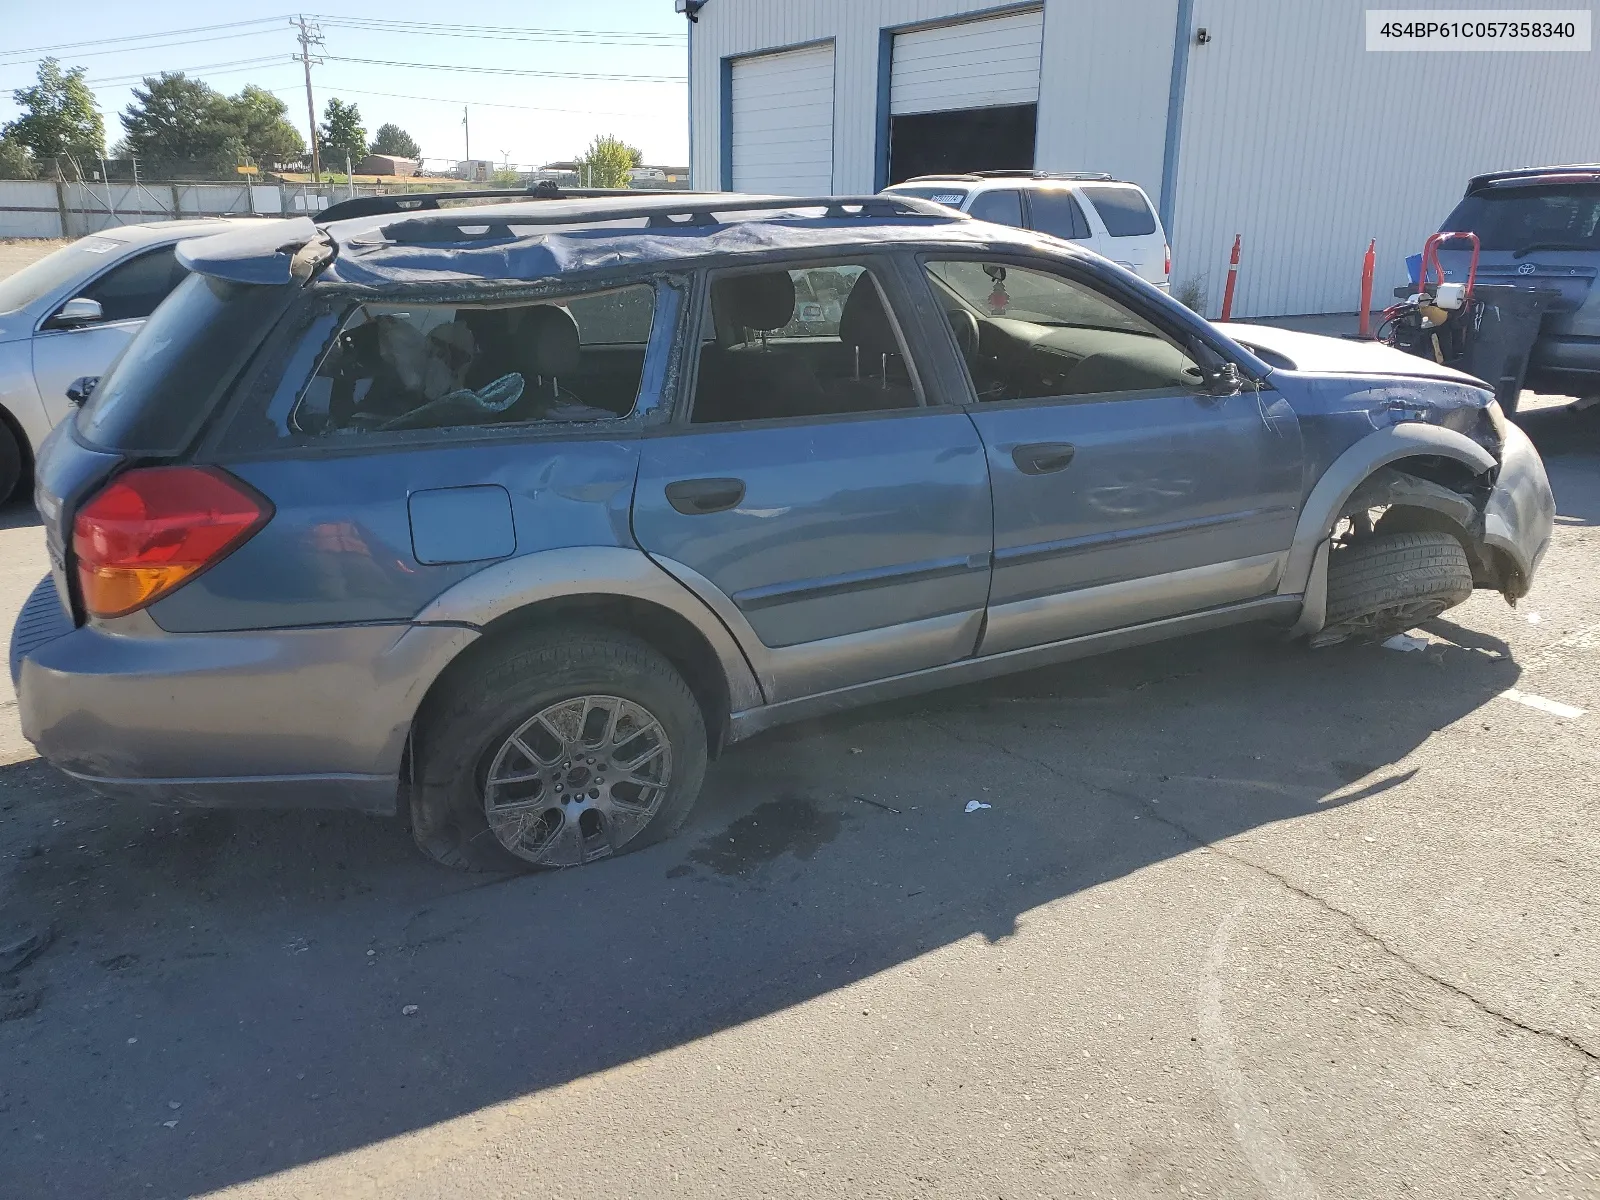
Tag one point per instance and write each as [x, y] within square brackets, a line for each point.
[1437, 494]
[670, 634]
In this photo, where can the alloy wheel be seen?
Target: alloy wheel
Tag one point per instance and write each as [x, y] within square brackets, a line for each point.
[578, 780]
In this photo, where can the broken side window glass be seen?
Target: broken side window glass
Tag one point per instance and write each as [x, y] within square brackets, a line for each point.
[397, 367]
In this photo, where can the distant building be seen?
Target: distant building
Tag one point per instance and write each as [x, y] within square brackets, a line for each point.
[474, 170]
[387, 164]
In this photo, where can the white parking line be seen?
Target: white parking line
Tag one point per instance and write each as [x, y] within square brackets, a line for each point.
[1554, 707]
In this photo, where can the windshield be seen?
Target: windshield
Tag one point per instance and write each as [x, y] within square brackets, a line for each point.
[156, 393]
[953, 196]
[1560, 216]
[54, 271]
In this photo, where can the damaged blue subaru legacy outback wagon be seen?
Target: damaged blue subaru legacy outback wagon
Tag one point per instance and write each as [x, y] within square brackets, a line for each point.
[510, 517]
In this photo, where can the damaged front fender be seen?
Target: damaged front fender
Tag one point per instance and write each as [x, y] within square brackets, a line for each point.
[1502, 511]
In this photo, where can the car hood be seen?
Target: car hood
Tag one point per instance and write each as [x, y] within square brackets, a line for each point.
[1318, 355]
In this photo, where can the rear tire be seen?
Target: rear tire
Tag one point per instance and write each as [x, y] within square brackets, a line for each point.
[10, 462]
[1387, 583]
[527, 760]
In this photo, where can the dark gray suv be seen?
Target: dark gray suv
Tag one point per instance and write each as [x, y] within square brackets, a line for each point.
[1539, 227]
[510, 517]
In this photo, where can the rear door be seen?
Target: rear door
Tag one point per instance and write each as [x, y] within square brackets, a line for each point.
[1126, 229]
[841, 524]
[1003, 206]
[128, 293]
[1056, 211]
[1122, 492]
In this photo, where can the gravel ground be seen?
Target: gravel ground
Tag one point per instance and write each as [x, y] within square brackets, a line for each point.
[16, 253]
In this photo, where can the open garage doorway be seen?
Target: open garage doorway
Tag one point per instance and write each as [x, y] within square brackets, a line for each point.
[972, 139]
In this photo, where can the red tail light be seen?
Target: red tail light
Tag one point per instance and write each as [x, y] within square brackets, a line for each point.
[1167, 269]
[153, 530]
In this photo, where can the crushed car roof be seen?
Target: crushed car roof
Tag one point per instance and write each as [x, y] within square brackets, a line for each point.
[525, 242]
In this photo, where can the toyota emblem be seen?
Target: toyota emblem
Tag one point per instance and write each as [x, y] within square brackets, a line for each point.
[1526, 269]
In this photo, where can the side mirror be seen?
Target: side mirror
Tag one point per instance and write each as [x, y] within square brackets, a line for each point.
[81, 388]
[80, 310]
[1218, 376]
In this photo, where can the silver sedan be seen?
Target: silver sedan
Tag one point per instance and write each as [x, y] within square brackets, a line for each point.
[65, 317]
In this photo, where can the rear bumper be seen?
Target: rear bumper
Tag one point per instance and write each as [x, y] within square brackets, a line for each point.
[1521, 511]
[312, 717]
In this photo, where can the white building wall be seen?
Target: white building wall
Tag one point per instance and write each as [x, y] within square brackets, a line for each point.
[1102, 91]
[1298, 138]
[1292, 133]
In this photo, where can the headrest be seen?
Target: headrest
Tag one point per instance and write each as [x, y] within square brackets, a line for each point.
[764, 302]
[549, 338]
[864, 323]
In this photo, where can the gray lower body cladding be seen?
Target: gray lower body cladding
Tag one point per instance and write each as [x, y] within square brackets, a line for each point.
[283, 718]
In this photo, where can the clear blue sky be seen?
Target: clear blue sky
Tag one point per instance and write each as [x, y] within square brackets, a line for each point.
[529, 118]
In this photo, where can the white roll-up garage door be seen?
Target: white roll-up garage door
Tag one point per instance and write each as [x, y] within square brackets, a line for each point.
[782, 114]
[973, 64]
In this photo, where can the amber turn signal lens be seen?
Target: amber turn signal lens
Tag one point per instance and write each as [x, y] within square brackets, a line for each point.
[150, 531]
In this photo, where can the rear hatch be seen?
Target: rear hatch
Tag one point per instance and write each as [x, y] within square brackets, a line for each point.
[1541, 231]
[154, 400]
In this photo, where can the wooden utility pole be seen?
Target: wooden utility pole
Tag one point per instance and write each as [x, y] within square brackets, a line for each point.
[310, 35]
[466, 132]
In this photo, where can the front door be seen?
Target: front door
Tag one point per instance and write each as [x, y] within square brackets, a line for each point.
[1122, 493]
[841, 524]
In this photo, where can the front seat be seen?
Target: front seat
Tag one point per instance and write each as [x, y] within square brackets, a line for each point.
[880, 378]
[745, 382]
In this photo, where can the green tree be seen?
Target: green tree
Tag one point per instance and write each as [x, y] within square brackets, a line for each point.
[15, 160]
[177, 119]
[607, 162]
[391, 139]
[341, 134]
[59, 115]
[262, 124]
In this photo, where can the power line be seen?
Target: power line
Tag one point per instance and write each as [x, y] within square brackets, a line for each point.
[585, 75]
[571, 112]
[221, 68]
[541, 40]
[397, 25]
[139, 37]
[164, 45]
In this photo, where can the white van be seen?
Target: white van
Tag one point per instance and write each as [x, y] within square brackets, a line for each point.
[1110, 217]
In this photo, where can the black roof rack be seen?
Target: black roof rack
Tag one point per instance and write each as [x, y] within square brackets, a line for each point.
[1580, 171]
[402, 202]
[1078, 176]
[663, 212]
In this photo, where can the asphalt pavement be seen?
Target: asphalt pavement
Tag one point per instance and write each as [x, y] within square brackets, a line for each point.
[1240, 919]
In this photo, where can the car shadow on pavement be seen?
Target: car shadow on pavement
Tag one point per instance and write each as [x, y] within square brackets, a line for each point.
[19, 514]
[232, 994]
